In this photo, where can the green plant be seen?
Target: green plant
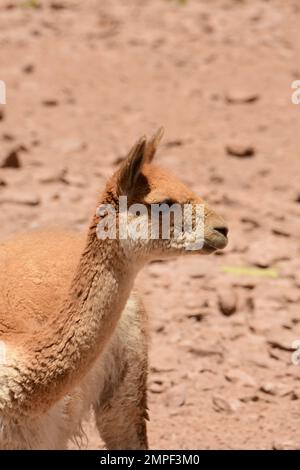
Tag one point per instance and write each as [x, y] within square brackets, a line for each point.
[31, 4]
[181, 2]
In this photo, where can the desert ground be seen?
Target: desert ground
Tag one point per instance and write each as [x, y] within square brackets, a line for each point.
[84, 80]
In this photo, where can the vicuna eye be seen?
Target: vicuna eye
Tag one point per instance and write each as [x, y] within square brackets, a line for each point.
[169, 202]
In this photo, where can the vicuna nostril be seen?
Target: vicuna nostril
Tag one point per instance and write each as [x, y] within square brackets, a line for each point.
[222, 230]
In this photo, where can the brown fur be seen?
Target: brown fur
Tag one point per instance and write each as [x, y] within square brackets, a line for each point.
[74, 335]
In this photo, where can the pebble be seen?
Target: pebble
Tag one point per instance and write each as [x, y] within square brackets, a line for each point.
[12, 160]
[20, 198]
[265, 253]
[157, 386]
[278, 342]
[276, 389]
[240, 377]
[48, 176]
[227, 301]
[74, 180]
[240, 150]
[221, 404]
[241, 96]
[175, 396]
[50, 102]
[28, 68]
[202, 352]
[285, 445]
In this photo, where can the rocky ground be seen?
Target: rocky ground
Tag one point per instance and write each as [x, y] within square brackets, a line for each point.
[84, 80]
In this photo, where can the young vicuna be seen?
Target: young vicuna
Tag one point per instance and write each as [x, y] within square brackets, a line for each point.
[73, 335]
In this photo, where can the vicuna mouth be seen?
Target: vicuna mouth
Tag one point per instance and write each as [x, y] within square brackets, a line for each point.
[220, 242]
[217, 242]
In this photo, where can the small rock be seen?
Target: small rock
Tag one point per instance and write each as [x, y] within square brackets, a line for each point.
[285, 445]
[197, 270]
[276, 389]
[28, 68]
[240, 150]
[176, 396]
[281, 231]
[269, 388]
[159, 327]
[174, 143]
[12, 160]
[241, 96]
[292, 296]
[262, 362]
[250, 223]
[161, 370]
[252, 397]
[47, 176]
[294, 394]
[74, 180]
[70, 146]
[265, 253]
[221, 404]
[157, 386]
[50, 102]
[216, 179]
[8, 137]
[57, 5]
[197, 316]
[227, 301]
[280, 343]
[203, 352]
[240, 377]
[20, 198]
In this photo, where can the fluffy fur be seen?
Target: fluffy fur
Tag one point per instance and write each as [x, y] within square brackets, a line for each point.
[74, 331]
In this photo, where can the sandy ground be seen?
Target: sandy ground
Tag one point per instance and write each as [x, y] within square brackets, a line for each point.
[84, 80]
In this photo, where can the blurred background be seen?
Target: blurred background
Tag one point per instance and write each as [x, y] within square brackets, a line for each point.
[84, 80]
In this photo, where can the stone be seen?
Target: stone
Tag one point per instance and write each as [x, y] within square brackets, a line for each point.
[285, 445]
[175, 396]
[20, 198]
[237, 96]
[224, 405]
[49, 102]
[48, 176]
[12, 160]
[236, 149]
[227, 301]
[240, 377]
[28, 68]
[276, 389]
[74, 180]
[157, 386]
[265, 253]
[204, 351]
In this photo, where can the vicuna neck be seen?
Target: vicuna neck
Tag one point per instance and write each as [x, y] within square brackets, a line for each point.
[64, 351]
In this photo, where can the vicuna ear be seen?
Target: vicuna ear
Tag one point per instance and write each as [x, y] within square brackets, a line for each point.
[131, 168]
[152, 145]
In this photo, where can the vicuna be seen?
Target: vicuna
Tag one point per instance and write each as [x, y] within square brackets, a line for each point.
[75, 333]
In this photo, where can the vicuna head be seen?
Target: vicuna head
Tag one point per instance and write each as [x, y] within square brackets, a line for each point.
[153, 214]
